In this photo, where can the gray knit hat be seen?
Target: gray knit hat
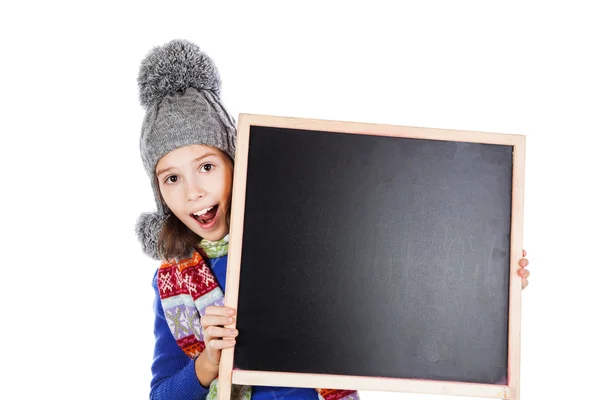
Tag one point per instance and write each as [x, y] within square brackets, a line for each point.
[180, 89]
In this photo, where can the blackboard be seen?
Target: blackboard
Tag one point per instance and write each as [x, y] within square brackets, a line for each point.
[372, 255]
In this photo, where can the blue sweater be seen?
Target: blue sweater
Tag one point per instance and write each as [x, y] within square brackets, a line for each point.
[173, 374]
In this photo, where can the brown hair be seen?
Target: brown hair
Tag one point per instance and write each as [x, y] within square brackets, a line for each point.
[176, 239]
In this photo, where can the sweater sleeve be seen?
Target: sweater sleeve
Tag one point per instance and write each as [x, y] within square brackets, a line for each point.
[173, 373]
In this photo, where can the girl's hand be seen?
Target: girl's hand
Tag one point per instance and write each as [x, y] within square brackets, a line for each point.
[216, 337]
[524, 273]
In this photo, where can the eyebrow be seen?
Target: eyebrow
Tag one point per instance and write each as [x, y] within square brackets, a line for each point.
[162, 171]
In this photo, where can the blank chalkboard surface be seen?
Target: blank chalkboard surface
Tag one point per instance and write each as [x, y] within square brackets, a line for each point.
[373, 255]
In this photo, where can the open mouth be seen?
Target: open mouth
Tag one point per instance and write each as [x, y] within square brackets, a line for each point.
[206, 217]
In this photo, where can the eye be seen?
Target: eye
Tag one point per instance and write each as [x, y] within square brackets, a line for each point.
[206, 167]
[171, 179]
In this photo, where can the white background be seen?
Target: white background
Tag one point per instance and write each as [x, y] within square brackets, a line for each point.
[75, 288]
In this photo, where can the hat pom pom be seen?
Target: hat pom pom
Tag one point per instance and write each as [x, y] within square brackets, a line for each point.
[173, 67]
[148, 228]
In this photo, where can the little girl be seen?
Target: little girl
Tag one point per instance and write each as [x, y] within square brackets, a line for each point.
[188, 148]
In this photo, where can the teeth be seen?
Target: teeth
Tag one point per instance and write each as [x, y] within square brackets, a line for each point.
[202, 212]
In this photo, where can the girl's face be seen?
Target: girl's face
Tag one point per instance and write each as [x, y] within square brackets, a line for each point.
[195, 183]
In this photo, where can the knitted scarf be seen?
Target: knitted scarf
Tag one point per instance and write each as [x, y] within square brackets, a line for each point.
[186, 287]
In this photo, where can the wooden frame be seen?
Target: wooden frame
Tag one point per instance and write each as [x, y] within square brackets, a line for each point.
[227, 375]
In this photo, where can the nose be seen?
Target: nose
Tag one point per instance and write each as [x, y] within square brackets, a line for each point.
[194, 190]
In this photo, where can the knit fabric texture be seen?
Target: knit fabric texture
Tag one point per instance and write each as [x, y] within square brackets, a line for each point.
[215, 249]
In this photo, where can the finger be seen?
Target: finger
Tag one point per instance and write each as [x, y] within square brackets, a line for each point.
[216, 332]
[215, 310]
[215, 320]
[523, 273]
[523, 262]
[524, 253]
[524, 283]
[217, 344]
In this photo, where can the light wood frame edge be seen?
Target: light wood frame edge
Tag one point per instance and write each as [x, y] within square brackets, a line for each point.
[227, 375]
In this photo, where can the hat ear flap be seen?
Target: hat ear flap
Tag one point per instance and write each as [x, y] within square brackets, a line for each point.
[148, 228]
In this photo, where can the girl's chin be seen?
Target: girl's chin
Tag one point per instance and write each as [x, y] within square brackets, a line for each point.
[216, 232]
